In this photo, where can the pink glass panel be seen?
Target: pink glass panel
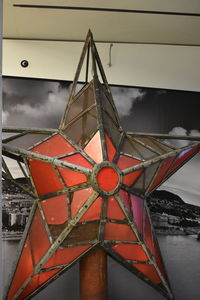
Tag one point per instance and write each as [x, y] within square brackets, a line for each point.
[55, 209]
[94, 149]
[137, 207]
[148, 233]
[125, 162]
[54, 146]
[39, 240]
[114, 211]
[119, 232]
[183, 157]
[94, 212]
[23, 271]
[149, 271]
[125, 198]
[162, 172]
[44, 177]
[79, 198]
[110, 148]
[132, 252]
[66, 256]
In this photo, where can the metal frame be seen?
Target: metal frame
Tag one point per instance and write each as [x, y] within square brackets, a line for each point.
[101, 92]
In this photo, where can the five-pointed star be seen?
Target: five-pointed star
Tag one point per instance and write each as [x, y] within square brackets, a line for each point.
[91, 179]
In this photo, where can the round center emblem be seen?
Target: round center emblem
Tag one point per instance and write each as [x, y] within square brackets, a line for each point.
[106, 178]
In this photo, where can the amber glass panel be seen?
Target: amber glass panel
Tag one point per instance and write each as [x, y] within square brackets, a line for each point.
[108, 108]
[66, 256]
[126, 162]
[125, 198]
[78, 199]
[145, 153]
[150, 172]
[132, 252]
[110, 148]
[54, 146]
[83, 100]
[112, 130]
[129, 148]
[148, 233]
[155, 144]
[55, 209]
[119, 232]
[94, 149]
[139, 184]
[137, 207]
[23, 271]
[82, 129]
[82, 233]
[39, 240]
[114, 211]
[28, 140]
[94, 212]
[183, 158]
[149, 271]
[162, 172]
[44, 176]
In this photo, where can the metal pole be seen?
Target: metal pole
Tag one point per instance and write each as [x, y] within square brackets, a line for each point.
[93, 275]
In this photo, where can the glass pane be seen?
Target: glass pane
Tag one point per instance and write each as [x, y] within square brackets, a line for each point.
[144, 152]
[84, 99]
[66, 256]
[82, 130]
[126, 162]
[44, 176]
[125, 198]
[55, 209]
[154, 144]
[139, 184]
[162, 172]
[137, 207]
[108, 108]
[39, 240]
[110, 148]
[54, 146]
[112, 130]
[149, 271]
[119, 232]
[132, 252]
[94, 212]
[148, 234]
[23, 271]
[159, 259]
[28, 140]
[78, 200]
[129, 148]
[150, 172]
[114, 211]
[94, 149]
[82, 233]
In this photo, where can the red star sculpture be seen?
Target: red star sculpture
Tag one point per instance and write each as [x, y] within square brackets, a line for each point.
[90, 179]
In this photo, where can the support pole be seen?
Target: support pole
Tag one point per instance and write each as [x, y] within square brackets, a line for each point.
[93, 275]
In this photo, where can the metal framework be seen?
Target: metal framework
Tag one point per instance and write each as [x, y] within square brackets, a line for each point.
[89, 179]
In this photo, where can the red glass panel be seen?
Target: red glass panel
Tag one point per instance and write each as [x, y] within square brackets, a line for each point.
[39, 240]
[149, 271]
[119, 232]
[137, 207]
[162, 172]
[125, 198]
[54, 146]
[79, 198]
[79, 160]
[183, 157]
[159, 259]
[110, 148]
[126, 162]
[55, 209]
[66, 256]
[37, 281]
[93, 148]
[23, 271]
[108, 178]
[132, 252]
[148, 233]
[114, 211]
[94, 212]
[44, 177]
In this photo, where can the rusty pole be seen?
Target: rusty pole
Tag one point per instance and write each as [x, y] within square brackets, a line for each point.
[93, 275]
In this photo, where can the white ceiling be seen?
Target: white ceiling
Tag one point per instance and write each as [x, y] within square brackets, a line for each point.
[65, 24]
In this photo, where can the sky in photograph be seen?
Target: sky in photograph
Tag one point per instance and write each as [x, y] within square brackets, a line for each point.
[40, 103]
